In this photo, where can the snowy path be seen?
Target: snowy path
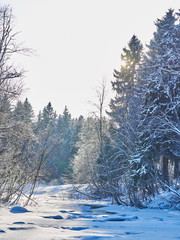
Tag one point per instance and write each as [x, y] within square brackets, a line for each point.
[54, 219]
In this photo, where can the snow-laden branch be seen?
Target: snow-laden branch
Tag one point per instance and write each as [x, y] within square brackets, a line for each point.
[5, 128]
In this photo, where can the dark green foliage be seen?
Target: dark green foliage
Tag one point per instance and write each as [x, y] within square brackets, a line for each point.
[145, 118]
[67, 132]
[159, 83]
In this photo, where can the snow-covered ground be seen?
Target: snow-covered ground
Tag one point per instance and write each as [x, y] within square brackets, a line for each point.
[56, 217]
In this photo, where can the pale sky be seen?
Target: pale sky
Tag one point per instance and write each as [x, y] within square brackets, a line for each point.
[78, 43]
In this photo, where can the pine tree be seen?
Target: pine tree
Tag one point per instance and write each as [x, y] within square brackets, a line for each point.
[68, 130]
[45, 131]
[125, 79]
[159, 83]
[28, 110]
[123, 116]
[48, 116]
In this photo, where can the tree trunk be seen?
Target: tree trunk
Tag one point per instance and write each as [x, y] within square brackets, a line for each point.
[165, 169]
[176, 169]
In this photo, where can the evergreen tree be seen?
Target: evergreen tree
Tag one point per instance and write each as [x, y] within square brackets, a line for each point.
[67, 132]
[84, 162]
[45, 132]
[159, 84]
[48, 116]
[125, 79]
[123, 116]
[17, 154]
[28, 110]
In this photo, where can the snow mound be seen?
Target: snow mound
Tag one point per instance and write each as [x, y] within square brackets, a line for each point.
[165, 200]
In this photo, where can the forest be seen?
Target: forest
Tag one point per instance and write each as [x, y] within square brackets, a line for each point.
[128, 153]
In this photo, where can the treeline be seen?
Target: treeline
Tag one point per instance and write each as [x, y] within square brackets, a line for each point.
[32, 149]
[129, 154]
[139, 155]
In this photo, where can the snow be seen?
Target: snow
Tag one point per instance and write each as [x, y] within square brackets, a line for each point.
[58, 217]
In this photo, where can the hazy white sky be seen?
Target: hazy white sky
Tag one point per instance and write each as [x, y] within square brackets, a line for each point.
[78, 42]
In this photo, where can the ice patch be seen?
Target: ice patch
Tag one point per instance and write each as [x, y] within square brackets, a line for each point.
[18, 209]
[133, 233]
[20, 228]
[18, 222]
[89, 237]
[159, 219]
[121, 219]
[75, 228]
[63, 211]
[71, 217]
[53, 217]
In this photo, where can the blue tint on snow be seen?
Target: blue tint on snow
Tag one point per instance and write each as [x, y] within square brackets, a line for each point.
[75, 228]
[63, 211]
[121, 219]
[89, 237]
[133, 233]
[20, 228]
[18, 222]
[54, 217]
[39, 192]
[18, 209]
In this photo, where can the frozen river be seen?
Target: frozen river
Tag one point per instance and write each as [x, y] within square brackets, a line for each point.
[56, 217]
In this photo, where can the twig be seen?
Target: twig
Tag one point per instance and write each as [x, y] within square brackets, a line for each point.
[90, 196]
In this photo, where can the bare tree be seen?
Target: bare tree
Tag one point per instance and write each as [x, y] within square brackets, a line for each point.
[13, 139]
[10, 76]
[99, 112]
